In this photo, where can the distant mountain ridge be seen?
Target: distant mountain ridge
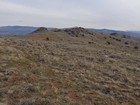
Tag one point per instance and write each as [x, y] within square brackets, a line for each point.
[130, 33]
[22, 30]
[16, 30]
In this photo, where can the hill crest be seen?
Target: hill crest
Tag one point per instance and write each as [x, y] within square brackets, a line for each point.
[41, 29]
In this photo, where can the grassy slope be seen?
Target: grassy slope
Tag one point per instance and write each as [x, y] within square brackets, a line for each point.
[59, 68]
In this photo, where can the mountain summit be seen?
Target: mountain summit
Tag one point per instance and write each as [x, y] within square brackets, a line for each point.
[41, 29]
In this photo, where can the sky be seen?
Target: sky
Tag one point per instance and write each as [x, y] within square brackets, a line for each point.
[110, 14]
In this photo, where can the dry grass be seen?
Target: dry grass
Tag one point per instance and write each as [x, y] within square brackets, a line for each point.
[68, 70]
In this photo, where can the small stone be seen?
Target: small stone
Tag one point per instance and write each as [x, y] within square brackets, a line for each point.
[10, 91]
[1, 74]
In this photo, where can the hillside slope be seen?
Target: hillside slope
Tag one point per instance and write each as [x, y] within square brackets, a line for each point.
[69, 67]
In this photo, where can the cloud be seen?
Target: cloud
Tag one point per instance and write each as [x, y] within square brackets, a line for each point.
[9, 7]
[19, 13]
[117, 14]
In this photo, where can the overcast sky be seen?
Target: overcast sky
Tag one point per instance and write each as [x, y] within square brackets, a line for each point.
[112, 14]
